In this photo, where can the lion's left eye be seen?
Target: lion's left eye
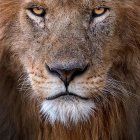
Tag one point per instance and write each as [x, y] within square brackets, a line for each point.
[38, 11]
[99, 11]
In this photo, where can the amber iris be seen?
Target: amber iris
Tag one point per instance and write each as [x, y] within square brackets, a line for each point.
[38, 11]
[99, 11]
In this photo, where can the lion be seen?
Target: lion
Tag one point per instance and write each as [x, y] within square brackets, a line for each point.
[69, 70]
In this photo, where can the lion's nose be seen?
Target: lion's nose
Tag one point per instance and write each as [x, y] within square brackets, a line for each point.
[67, 73]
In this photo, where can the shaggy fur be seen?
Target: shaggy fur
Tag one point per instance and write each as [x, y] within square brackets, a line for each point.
[117, 113]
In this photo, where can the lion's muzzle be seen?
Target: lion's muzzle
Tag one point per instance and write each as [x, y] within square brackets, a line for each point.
[67, 74]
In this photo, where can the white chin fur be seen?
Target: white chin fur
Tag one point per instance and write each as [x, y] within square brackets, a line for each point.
[67, 110]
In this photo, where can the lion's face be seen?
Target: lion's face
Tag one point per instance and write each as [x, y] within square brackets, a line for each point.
[67, 49]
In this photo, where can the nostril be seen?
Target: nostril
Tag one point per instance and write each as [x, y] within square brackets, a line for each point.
[80, 71]
[52, 70]
[67, 74]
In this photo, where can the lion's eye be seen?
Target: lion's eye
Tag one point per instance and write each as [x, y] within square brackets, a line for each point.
[38, 11]
[99, 11]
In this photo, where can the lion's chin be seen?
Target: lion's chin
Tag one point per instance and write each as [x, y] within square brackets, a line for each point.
[67, 110]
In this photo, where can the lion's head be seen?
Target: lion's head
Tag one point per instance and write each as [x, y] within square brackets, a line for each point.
[73, 53]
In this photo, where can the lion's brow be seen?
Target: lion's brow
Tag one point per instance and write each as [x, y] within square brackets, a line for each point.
[62, 1]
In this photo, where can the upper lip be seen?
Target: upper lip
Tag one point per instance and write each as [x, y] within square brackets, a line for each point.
[65, 94]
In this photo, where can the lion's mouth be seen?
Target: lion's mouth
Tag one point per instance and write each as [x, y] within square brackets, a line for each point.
[68, 95]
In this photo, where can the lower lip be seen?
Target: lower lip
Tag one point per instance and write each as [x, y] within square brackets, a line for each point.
[66, 96]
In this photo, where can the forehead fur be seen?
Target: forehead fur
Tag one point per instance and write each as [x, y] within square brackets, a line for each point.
[55, 3]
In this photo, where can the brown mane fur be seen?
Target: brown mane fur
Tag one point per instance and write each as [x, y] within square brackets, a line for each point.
[117, 120]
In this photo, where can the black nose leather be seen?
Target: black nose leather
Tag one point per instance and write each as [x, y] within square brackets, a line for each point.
[67, 74]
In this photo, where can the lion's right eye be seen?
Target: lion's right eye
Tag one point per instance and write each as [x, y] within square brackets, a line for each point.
[38, 11]
[97, 12]
[37, 14]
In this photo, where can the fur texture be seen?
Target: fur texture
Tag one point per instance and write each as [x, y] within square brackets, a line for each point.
[109, 44]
